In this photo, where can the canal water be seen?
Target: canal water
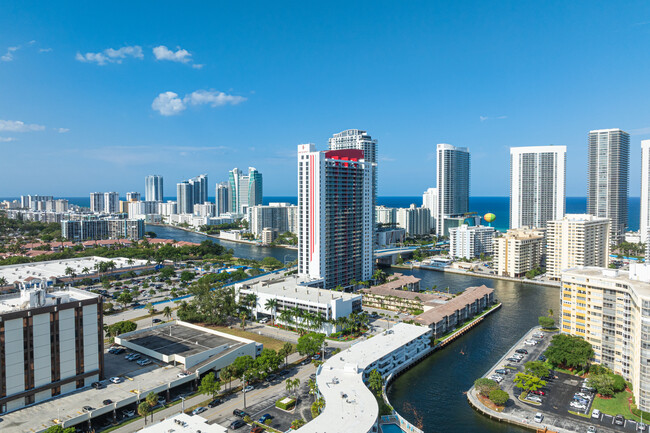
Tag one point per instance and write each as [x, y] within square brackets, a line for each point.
[247, 251]
[433, 390]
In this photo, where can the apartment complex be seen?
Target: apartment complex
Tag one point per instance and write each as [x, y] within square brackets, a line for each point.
[644, 220]
[608, 178]
[537, 185]
[469, 242]
[222, 198]
[576, 240]
[153, 188]
[244, 190]
[611, 310]
[452, 173]
[95, 229]
[335, 215]
[415, 220]
[279, 217]
[430, 201]
[518, 251]
[50, 344]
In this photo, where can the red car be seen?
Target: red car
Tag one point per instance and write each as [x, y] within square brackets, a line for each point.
[538, 392]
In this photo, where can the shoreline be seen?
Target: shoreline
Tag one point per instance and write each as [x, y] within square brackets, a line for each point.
[480, 275]
[241, 241]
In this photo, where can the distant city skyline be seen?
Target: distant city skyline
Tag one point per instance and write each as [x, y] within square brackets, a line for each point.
[85, 110]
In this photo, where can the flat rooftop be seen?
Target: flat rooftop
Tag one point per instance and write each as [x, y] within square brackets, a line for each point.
[638, 278]
[184, 423]
[349, 405]
[293, 287]
[177, 339]
[26, 272]
[471, 294]
[21, 300]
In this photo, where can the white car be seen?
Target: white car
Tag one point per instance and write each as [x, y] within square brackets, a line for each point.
[181, 375]
[249, 388]
[595, 414]
[534, 398]
[116, 379]
[496, 378]
[538, 417]
[576, 405]
[530, 343]
[144, 362]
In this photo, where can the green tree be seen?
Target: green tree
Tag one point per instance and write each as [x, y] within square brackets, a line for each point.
[375, 382]
[285, 351]
[602, 383]
[310, 344]
[272, 304]
[499, 397]
[150, 308]
[537, 368]
[125, 298]
[59, 429]
[167, 312]
[210, 385]
[297, 423]
[187, 276]
[167, 271]
[570, 351]
[271, 263]
[546, 322]
[143, 410]
[528, 382]
[484, 386]
[121, 328]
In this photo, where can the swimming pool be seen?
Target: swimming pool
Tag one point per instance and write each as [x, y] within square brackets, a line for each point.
[391, 428]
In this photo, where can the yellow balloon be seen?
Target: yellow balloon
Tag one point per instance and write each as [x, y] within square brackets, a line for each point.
[489, 217]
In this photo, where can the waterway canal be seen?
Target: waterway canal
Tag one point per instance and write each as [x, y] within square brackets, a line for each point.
[434, 387]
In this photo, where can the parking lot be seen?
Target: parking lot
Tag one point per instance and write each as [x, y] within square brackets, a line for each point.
[558, 393]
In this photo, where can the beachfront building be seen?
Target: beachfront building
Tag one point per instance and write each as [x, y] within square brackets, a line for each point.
[94, 229]
[470, 242]
[518, 251]
[576, 240]
[244, 190]
[416, 221]
[50, 344]
[279, 217]
[153, 188]
[452, 174]
[610, 309]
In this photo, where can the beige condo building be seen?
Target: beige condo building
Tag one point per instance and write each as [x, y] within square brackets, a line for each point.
[611, 310]
[576, 240]
[518, 251]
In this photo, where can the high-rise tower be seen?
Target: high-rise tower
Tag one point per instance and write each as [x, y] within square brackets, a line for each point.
[153, 188]
[644, 221]
[537, 185]
[222, 198]
[452, 173]
[244, 191]
[609, 178]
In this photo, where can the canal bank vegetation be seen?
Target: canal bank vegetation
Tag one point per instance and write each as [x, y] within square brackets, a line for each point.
[569, 353]
[491, 394]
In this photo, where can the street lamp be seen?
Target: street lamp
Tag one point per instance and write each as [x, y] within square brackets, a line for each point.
[182, 404]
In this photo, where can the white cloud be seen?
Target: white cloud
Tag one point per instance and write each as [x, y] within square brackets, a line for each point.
[170, 104]
[640, 131]
[44, 50]
[6, 139]
[18, 126]
[213, 98]
[111, 55]
[62, 130]
[484, 118]
[10, 54]
[197, 66]
[163, 53]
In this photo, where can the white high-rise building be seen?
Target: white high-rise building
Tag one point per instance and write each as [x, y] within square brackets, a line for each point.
[415, 220]
[335, 215]
[153, 188]
[452, 173]
[222, 198]
[244, 191]
[199, 189]
[132, 196]
[280, 217]
[537, 185]
[97, 202]
[470, 241]
[430, 201]
[111, 202]
[644, 220]
[608, 178]
[576, 240]
[185, 197]
[518, 251]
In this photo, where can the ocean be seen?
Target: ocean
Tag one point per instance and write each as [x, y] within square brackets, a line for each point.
[499, 206]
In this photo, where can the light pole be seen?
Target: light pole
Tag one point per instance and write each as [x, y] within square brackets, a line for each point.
[182, 404]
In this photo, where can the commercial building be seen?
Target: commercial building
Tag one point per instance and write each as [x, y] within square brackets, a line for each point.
[89, 229]
[335, 215]
[222, 198]
[610, 309]
[153, 188]
[280, 217]
[644, 220]
[349, 405]
[292, 293]
[50, 344]
[537, 185]
[244, 191]
[470, 241]
[608, 178]
[415, 220]
[184, 423]
[576, 240]
[452, 173]
[518, 251]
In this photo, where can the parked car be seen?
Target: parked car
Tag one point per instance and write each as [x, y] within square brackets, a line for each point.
[619, 420]
[584, 395]
[257, 429]
[641, 427]
[264, 417]
[264, 320]
[313, 376]
[128, 413]
[496, 378]
[157, 320]
[97, 385]
[236, 424]
[534, 398]
[595, 414]
[511, 359]
[272, 377]
[88, 408]
[538, 417]
[541, 358]
[107, 402]
[249, 388]
[524, 351]
[591, 429]
[199, 410]
[162, 401]
[283, 372]
[116, 379]
[539, 392]
[182, 374]
[316, 357]
[577, 405]
[240, 413]
[214, 403]
[530, 343]
[144, 362]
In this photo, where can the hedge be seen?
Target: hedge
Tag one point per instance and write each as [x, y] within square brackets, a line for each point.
[286, 403]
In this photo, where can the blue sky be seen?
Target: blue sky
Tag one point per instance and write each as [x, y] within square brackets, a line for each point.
[96, 95]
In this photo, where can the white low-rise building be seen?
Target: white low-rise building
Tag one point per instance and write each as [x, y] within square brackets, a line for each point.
[184, 423]
[470, 241]
[349, 405]
[294, 292]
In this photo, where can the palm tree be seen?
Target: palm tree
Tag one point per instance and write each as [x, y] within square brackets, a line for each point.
[272, 304]
[3, 281]
[143, 410]
[242, 317]
[297, 313]
[167, 312]
[313, 388]
[286, 316]
[85, 270]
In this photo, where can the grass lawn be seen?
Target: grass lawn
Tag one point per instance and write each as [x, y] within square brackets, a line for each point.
[384, 409]
[615, 405]
[268, 342]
